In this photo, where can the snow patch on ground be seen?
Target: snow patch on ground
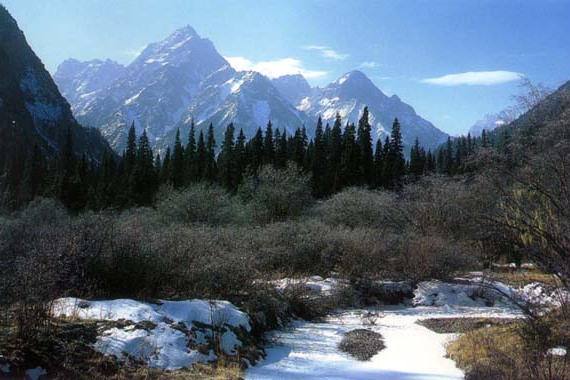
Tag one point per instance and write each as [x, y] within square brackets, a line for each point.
[317, 285]
[413, 352]
[162, 344]
[477, 292]
[438, 293]
[557, 351]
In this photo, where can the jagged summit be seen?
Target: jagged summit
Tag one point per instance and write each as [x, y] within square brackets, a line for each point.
[293, 87]
[348, 96]
[172, 82]
[183, 78]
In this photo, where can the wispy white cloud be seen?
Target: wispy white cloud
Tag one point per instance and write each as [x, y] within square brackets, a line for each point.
[473, 78]
[370, 65]
[327, 52]
[275, 68]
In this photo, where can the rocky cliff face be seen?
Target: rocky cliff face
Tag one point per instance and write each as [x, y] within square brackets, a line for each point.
[32, 110]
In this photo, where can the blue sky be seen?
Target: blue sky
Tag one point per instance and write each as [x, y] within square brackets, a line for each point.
[452, 60]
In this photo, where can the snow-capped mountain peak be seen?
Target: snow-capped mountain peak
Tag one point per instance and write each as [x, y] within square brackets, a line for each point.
[348, 96]
[491, 121]
[183, 79]
[292, 87]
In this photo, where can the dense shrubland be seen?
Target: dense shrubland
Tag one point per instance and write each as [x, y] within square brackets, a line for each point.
[508, 200]
[204, 242]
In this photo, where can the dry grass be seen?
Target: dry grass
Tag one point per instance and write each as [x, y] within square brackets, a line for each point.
[461, 325]
[522, 278]
[506, 352]
[223, 370]
[487, 352]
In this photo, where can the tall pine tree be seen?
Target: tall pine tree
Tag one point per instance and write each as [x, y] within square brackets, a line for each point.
[366, 156]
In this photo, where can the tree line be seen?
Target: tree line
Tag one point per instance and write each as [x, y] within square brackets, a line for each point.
[336, 157]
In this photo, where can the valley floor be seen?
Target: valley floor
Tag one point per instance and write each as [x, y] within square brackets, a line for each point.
[309, 350]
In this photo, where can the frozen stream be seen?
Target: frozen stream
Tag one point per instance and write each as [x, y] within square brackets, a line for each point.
[309, 350]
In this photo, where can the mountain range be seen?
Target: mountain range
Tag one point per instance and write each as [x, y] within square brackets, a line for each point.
[32, 110]
[183, 79]
[491, 122]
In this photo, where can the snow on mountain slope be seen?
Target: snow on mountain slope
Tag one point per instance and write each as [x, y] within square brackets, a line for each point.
[170, 83]
[79, 82]
[294, 88]
[153, 91]
[490, 122]
[183, 78]
[246, 98]
[352, 92]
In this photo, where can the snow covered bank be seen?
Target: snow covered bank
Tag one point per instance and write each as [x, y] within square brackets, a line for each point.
[390, 292]
[167, 335]
[477, 292]
[316, 285]
[309, 350]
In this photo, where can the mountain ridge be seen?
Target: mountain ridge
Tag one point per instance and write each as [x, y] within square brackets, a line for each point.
[32, 110]
[183, 78]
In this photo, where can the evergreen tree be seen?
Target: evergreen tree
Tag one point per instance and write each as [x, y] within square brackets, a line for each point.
[144, 175]
[255, 151]
[396, 168]
[131, 150]
[334, 155]
[268, 145]
[448, 159]
[308, 159]
[210, 169]
[201, 157]
[165, 169]
[34, 175]
[364, 141]
[281, 151]
[227, 161]
[299, 146]
[459, 154]
[318, 160]
[441, 160]
[430, 165]
[177, 163]
[240, 156]
[190, 156]
[350, 159]
[327, 135]
[416, 162]
[106, 187]
[378, 164]
[484, 139]
[158, 167]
